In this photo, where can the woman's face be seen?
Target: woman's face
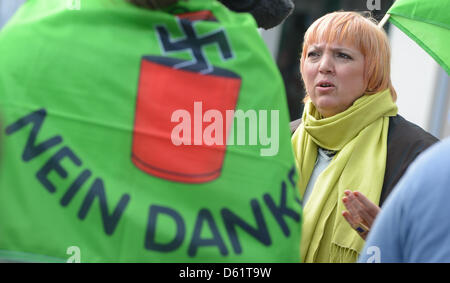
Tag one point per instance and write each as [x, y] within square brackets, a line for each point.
[334, 76]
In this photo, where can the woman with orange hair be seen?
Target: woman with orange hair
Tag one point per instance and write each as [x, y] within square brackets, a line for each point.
[351, 147]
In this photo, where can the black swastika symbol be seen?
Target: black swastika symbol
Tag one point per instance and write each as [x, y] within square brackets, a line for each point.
[194, 44]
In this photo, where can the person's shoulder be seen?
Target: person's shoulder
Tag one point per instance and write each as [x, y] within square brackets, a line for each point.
[294, 125]
[435, 157]
[402, 131]
[428, 178]
[431, 170]
[416, 210]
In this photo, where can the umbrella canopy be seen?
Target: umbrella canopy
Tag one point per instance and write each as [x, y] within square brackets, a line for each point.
[428, 24]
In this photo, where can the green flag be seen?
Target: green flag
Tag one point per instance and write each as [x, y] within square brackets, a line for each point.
[427, 22]
[119, 143]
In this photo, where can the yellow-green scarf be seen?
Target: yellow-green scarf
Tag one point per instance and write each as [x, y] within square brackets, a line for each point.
[359, 135]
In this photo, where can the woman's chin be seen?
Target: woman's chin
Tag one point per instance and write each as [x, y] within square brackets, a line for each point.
[326, 107]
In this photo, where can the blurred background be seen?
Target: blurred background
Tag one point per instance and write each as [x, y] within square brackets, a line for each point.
[422, 86]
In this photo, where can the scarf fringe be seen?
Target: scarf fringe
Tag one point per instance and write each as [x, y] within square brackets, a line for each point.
[339, 254]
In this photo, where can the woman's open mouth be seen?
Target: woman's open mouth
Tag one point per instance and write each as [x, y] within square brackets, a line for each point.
[325, 86]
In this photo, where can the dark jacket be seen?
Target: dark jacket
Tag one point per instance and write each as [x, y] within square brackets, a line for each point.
[405, 142]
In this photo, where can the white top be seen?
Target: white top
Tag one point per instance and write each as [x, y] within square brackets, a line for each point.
[324, 158]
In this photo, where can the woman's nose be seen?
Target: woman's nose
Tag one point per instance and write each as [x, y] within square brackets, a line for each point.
[326, 64]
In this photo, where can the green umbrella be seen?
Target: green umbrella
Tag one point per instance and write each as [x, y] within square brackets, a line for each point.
[427, 23]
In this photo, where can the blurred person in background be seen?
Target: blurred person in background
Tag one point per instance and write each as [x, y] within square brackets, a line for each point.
[413, 225]
[87, 89]
[7, 9]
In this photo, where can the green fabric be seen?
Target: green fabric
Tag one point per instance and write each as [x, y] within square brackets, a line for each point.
[359, 135]
[428, 24]
[69, 79]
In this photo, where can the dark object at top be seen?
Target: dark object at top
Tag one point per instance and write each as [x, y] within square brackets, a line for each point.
[267, 13]
[153, 4]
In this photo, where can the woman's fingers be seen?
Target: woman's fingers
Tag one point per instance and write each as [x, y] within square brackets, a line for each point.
[372, 208]
[362, 230]
[349, 204]
[361, 210]
[348, 216]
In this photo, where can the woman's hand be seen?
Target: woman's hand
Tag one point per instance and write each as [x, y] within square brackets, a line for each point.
[361, 212]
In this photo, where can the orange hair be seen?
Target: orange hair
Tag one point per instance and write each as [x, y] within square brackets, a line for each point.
[363, 33]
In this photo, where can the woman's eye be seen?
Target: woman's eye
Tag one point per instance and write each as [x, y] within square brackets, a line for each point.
[344, 56]
[313, 54]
